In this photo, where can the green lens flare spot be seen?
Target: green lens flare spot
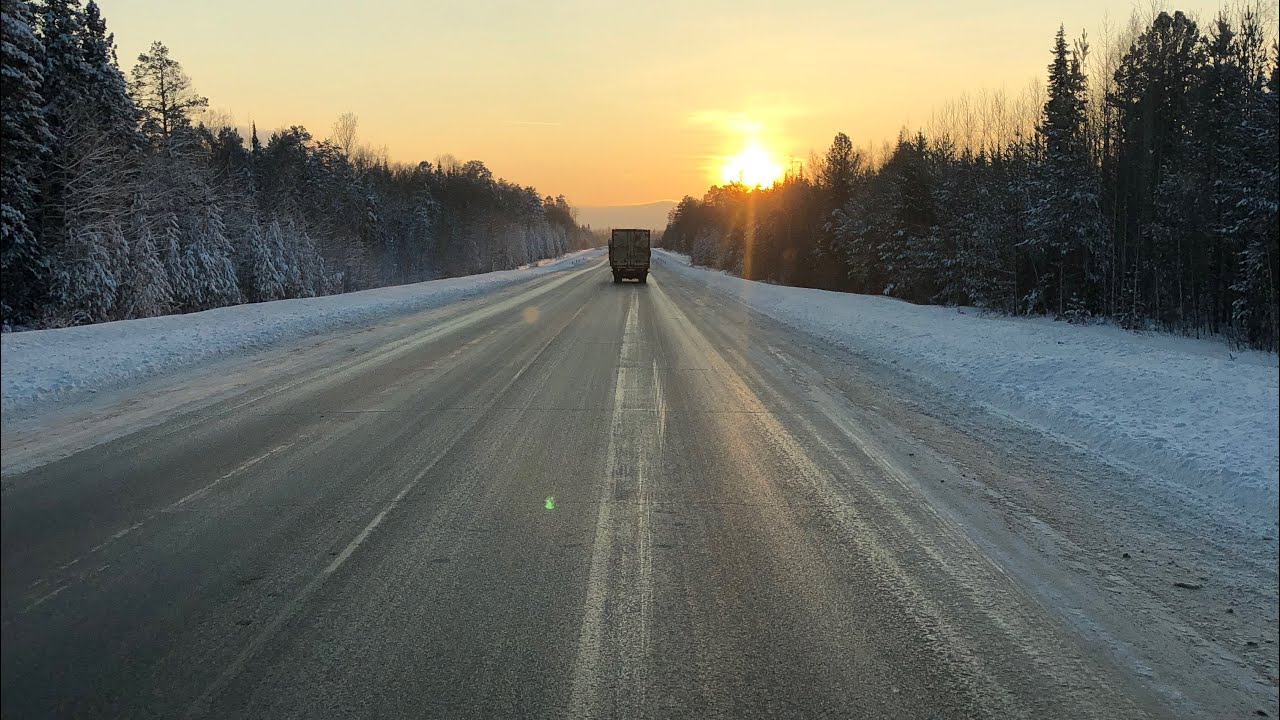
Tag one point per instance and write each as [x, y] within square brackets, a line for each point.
[551, 502]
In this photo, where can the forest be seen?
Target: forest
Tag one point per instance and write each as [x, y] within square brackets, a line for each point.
[123, 196]
[1138, 186]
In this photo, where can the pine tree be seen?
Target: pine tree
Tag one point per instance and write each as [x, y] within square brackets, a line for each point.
[310, 266]
[1253, 218]
[909, 204]
[1153, 100]
[839, 170]
[164, 97]
[171, 256]
[87, 280]
[208, 265]
[1063, 122]
[291, 261]
[88, 176]
[107, 84]
[264, 261]
[144, 287]
[25, 140]
[101, 221]
[1065, 223]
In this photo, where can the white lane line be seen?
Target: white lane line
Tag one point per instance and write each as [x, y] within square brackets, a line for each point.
[403, 346]
[644, 588]
[14, 463]
[114, 537]
[239, 469]
[135, 526]
[39, 601]
[586, 667]
[889, 564]
[290, 608]
[659, 405]
[602, 672]
[652, 448]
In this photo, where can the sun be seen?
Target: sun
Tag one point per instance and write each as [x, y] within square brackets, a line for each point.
[753, 167]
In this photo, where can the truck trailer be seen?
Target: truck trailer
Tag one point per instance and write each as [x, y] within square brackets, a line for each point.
[629, 254]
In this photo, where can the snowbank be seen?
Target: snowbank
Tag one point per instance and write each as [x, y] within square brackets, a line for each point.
[42, 365]
[1193, 412]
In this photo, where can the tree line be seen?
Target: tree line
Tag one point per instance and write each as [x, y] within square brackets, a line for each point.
[1146, 194]
[124, 197]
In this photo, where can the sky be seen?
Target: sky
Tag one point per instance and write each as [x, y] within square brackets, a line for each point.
[608, 103]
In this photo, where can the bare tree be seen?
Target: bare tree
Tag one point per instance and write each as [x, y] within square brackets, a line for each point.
[344, 132]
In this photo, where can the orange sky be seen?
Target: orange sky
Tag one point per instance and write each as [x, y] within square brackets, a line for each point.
[607, 103]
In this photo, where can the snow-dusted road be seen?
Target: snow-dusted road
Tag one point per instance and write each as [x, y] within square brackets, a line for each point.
[569, 498]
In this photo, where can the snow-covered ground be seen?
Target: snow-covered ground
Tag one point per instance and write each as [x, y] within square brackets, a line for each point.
[1193, 412]
[46, 365]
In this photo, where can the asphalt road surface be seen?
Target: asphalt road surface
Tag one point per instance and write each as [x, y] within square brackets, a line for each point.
[567, 499]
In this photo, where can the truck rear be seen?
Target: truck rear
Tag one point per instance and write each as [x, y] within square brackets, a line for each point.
[629, 254]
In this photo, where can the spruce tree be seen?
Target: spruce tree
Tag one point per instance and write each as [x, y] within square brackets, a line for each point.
[1253, 218]
[107, 84]
[1065, 222]
[24, 144]
[144, 287]
[88, 176]
[207, 263]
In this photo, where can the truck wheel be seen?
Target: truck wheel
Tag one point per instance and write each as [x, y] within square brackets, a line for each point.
[644, 278]
[616, 278]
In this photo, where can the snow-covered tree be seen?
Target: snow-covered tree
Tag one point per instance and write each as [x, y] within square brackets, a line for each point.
[114, 209]
[144, 284]
[208, 266]
[268, 272]
[1066, 227]
[25, 138]
[88, 175]
[87, 279]
[171, 256]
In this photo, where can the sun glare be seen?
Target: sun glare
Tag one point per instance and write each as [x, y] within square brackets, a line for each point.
[751, 167]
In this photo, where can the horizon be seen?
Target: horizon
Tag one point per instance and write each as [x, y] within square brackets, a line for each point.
[978, 423]
[548, 98]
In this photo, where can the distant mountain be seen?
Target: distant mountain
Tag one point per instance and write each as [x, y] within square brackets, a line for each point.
[646, 215]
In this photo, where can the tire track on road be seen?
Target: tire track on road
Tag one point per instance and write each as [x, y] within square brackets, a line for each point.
[610, 673]
[237, 665]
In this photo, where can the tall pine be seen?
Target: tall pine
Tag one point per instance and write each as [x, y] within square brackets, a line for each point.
[24, 144]
[1065, 223]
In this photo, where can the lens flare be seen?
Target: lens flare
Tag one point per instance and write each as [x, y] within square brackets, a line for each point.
[753, 167]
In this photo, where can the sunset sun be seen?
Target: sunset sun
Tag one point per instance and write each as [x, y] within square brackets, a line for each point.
[753, 166]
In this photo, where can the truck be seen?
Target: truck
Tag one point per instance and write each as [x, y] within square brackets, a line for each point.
[629, 254]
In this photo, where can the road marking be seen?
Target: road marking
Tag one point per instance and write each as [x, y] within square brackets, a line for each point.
[980, 583]
[388, 352]
[619, 663]
[385, 353]
[47, 596]
[114, 537]
[291, 607]
[239, 469]
[135, 526]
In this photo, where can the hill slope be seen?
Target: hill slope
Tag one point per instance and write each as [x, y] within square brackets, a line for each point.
[645, 215]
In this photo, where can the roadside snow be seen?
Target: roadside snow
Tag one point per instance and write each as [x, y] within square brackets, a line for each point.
[1192, 412]
[48, 365]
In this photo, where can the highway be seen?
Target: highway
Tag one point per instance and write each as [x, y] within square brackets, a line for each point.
[568, 498]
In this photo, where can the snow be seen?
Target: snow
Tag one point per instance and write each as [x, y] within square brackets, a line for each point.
[40, 367]
[1203, 418]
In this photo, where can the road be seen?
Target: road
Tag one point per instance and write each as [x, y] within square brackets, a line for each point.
[570, 499]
